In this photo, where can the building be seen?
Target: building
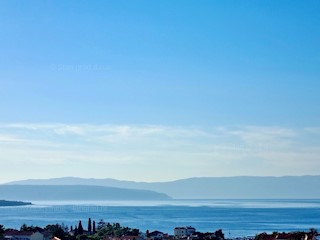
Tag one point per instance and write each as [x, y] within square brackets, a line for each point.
[156, 235]
[182, 232]
[25, 235]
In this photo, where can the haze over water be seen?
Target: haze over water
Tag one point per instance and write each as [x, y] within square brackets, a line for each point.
[235, 217]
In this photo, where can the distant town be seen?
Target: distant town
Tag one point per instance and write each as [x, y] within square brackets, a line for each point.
[114, 231]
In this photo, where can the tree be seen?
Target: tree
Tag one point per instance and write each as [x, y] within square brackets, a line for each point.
[56, 230]
[101, 224]
[115, 230]
[94, 227]
[76, 232]
[23, 227]
[1, 231]
[31, 228]
[80, 228]
[89, 226]
[117, 225]
[134, 232]
[219, 234]
[313, 231]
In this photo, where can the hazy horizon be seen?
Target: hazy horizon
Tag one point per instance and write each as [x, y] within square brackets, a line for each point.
[163, 181]
[192, 188]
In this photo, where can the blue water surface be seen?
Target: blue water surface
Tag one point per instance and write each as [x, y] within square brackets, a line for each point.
[235, 217]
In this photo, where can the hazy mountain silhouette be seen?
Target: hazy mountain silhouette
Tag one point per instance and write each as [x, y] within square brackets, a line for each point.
[76, 192]
[297, 187]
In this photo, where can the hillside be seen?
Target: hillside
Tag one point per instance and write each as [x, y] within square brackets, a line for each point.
[54, 192]
[297, 187]
[5, 203]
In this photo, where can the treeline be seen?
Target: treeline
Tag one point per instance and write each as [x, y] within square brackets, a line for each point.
[60, 231]
[299, 235]
[92, 231]
[102, 230]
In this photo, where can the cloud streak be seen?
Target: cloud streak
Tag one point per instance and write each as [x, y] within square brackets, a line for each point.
[155, 152]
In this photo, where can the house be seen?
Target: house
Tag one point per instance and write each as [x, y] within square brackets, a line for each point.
[25, 235]
[183, 232]
[265, 236]
[292, 236]
[156, 235]
[194, 236]
[286, 236]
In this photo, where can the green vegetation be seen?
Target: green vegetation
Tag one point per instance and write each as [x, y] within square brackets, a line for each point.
[79, 233]
[290, 236]
[56, 230]
[59, 231]
[89, 226]
[80, 228]
[1, 231]
[31, 228]
[114, 230]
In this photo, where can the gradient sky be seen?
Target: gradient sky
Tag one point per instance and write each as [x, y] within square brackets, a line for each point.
[159, 90]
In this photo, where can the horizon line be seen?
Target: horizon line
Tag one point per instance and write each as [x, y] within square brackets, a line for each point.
[165, 181]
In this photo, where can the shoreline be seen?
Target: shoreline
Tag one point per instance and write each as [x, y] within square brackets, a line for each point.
[6, 203]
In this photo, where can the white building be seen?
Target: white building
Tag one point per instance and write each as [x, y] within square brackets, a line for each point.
[156, 235]
[181, 232]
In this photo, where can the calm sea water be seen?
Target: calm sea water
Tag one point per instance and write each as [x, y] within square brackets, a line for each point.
[235, 217]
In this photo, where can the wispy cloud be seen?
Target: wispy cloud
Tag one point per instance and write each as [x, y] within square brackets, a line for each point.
[9, 138]
[313, 130]
[152, 152]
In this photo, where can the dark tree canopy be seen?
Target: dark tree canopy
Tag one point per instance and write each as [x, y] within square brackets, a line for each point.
[80, 228]
[57, 230]
[101, 224]
[219, 234]
[94, 227]
[1, 230]
[89, 225]
[115, 230]
[31, 228]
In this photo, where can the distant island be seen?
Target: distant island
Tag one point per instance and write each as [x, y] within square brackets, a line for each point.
[250, 187]
[4, 203]
[76, 192]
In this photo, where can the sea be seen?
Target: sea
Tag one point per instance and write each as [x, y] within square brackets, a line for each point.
[237, 218]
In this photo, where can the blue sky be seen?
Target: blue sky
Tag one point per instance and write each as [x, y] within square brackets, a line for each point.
[130, 89]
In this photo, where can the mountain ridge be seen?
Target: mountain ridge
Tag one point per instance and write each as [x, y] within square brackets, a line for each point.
[207, 187]
[76, 192]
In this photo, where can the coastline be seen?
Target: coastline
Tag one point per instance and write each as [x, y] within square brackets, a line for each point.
[238, 218]
[5, 203]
